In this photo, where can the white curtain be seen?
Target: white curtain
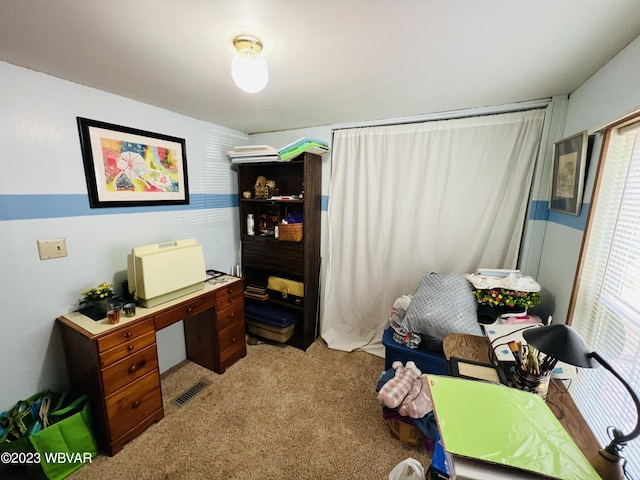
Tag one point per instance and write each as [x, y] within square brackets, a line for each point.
[406, 200]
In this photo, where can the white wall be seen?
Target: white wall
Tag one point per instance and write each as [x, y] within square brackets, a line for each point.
[43, 195]
[610, 94]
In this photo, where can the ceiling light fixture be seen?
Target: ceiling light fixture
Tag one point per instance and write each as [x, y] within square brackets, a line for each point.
[248, 68]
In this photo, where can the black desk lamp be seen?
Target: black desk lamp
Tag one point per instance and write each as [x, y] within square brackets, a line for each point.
[566, 345]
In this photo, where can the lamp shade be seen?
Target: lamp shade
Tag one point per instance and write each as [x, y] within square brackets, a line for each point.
[561, 342]
[249, 69]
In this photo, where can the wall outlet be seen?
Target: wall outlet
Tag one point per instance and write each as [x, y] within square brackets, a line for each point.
[54, 248]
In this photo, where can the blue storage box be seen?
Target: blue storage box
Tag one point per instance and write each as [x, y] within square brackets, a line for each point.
[269, 322]
[439, 468]
[274, 316]
[427, 362]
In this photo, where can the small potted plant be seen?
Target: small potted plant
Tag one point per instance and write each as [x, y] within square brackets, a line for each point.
[99, 297]
[496, 301]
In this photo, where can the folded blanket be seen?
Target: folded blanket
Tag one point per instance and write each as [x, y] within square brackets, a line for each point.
[511, 282]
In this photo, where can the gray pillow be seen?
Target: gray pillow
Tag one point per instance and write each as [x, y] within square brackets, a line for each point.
[443, 303]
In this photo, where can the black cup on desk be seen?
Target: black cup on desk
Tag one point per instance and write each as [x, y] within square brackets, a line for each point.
[129, 310]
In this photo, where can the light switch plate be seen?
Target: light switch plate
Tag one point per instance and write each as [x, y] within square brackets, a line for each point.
[54, 248]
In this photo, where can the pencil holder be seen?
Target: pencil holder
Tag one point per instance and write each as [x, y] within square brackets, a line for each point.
[538, 384]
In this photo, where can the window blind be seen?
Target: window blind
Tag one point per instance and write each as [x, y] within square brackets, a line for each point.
[607, 299]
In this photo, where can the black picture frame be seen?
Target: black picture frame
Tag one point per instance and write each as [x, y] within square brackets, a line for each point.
[473, 370]
[126, 167]
[569, 166]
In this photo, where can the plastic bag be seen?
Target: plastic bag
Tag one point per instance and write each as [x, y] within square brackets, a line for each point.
[398, 311]
[408, 469]
[400, 334]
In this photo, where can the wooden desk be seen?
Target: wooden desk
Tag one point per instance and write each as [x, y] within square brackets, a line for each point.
[477, 348]
[117, 365]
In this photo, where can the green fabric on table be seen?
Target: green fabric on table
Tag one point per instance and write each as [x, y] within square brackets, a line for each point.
[505, 426]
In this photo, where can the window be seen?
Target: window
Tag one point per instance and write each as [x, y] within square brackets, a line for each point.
[606, 300]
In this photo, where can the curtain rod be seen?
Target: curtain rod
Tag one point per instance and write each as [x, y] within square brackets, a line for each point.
[452, 114]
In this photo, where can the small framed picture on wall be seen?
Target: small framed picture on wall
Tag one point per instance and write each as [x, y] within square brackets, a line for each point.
[569, 166]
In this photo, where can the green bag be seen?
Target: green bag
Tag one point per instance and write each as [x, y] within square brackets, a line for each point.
[56, 441]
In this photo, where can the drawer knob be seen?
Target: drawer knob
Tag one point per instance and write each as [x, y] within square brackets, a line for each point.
[127, 334]
[130, 347]
[132, 368]
[189, 310]
[136, 404]
[231, 300]
[233, 340]
[231, 315]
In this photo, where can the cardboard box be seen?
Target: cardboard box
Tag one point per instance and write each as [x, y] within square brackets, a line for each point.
[405, 432]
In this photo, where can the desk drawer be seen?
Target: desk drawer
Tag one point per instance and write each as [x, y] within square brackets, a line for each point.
[131, 405]
[184, 310]
[125, 349]
[129, 369]
[226, 295]
[126, 333]
[230, 315]
[231, 340]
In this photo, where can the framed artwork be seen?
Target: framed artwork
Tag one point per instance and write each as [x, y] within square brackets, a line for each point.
[127, 167]
[569, 163]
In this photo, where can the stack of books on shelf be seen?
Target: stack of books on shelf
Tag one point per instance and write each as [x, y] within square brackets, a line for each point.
[302, 145]
[256, 291]
[265, 153]
[253, 154]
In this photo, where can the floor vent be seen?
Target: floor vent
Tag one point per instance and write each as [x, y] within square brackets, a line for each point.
[191, 392]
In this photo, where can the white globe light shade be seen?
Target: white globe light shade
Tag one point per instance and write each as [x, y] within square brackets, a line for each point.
[249, 71]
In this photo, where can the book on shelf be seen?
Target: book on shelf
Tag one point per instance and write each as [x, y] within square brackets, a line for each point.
[301, 142]
[256, 291]
[255, 158]
[253, 154]
[257, 296]
[254, 149]
[284, 197]
[302, 145]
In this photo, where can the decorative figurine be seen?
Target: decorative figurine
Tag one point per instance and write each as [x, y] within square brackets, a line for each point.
[271, 189]
[259, 187]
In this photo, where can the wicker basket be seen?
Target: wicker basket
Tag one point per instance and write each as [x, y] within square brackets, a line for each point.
[290, 232]
[405, 432]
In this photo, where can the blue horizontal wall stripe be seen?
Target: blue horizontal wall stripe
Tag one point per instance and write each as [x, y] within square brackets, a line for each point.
[540, 211]
[28, 207]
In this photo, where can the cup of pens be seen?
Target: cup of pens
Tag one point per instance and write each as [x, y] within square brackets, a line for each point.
[533, 369]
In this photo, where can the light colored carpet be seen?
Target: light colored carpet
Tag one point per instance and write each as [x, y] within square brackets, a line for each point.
[279, 413]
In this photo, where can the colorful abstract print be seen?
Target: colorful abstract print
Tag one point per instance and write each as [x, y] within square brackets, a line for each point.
[135, 167]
